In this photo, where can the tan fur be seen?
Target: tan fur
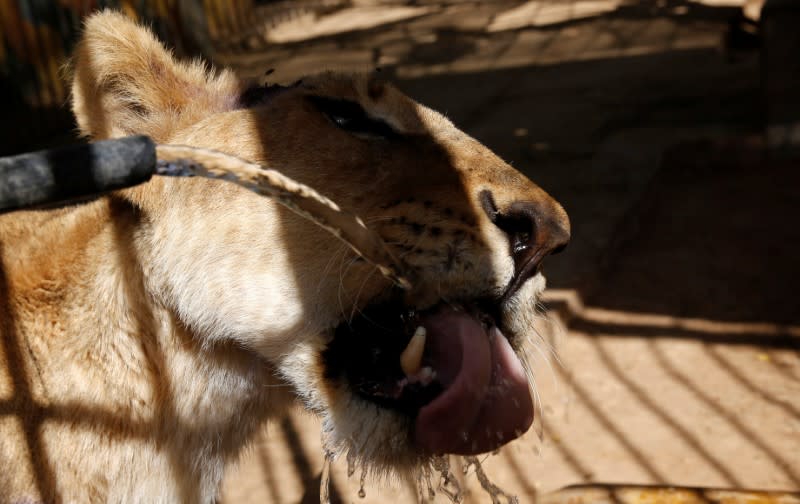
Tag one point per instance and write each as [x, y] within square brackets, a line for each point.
[146, 335]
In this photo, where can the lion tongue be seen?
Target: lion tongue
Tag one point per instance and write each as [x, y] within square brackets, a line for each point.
[486, 401]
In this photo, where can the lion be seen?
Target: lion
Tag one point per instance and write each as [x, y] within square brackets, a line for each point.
[148, 334]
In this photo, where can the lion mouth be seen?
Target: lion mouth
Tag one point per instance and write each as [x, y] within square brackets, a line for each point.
[449, 368]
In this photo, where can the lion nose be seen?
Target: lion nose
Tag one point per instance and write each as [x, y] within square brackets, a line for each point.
[535, 229]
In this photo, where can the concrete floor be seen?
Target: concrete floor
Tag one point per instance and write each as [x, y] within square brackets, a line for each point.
[674, 309]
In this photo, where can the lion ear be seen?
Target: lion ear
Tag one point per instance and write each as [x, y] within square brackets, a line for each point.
[125, 82]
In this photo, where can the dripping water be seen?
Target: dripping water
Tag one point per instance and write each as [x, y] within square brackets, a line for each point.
[467, 465]
[351, 463]
[448, 484]
[426, 475]
[497, 495]
[325, 480]
[420, 491]
[362, 480]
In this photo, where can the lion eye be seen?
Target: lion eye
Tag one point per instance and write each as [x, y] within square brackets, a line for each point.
[350, 116]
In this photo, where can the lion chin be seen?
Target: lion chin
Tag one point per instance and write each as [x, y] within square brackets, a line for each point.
[148, 334]
[469, 393]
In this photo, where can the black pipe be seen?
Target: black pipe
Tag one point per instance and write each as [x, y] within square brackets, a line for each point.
[69, 173]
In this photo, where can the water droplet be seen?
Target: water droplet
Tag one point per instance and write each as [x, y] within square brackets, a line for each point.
[351, 463]
[420, 491]
[449, 484]
[467, 464]
[325, 480]
[361, 492]
[441, 464]
[427, 473]
[497, 495]
[538, 427]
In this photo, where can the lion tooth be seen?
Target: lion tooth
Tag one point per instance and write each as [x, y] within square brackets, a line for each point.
[426, 375]
[411, 358]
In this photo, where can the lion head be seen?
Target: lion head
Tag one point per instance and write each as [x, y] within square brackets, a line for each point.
[234, 267]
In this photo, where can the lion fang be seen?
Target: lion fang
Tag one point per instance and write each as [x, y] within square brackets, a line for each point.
[411, 358]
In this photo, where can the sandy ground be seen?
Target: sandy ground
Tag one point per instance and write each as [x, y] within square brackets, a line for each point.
[674, 309]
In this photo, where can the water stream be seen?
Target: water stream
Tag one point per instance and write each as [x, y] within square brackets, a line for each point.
[439, 468]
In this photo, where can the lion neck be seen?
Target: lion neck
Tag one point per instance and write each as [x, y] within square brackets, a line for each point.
[118, 360]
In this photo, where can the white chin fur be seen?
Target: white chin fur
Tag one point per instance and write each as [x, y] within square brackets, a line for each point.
[520, 312]
[377, 437]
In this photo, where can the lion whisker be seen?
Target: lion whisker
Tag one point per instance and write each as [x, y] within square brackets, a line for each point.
[341, 285]
[358, 294]
[335, 255]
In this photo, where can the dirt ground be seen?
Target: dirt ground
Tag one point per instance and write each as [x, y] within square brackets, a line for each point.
[674, 310]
